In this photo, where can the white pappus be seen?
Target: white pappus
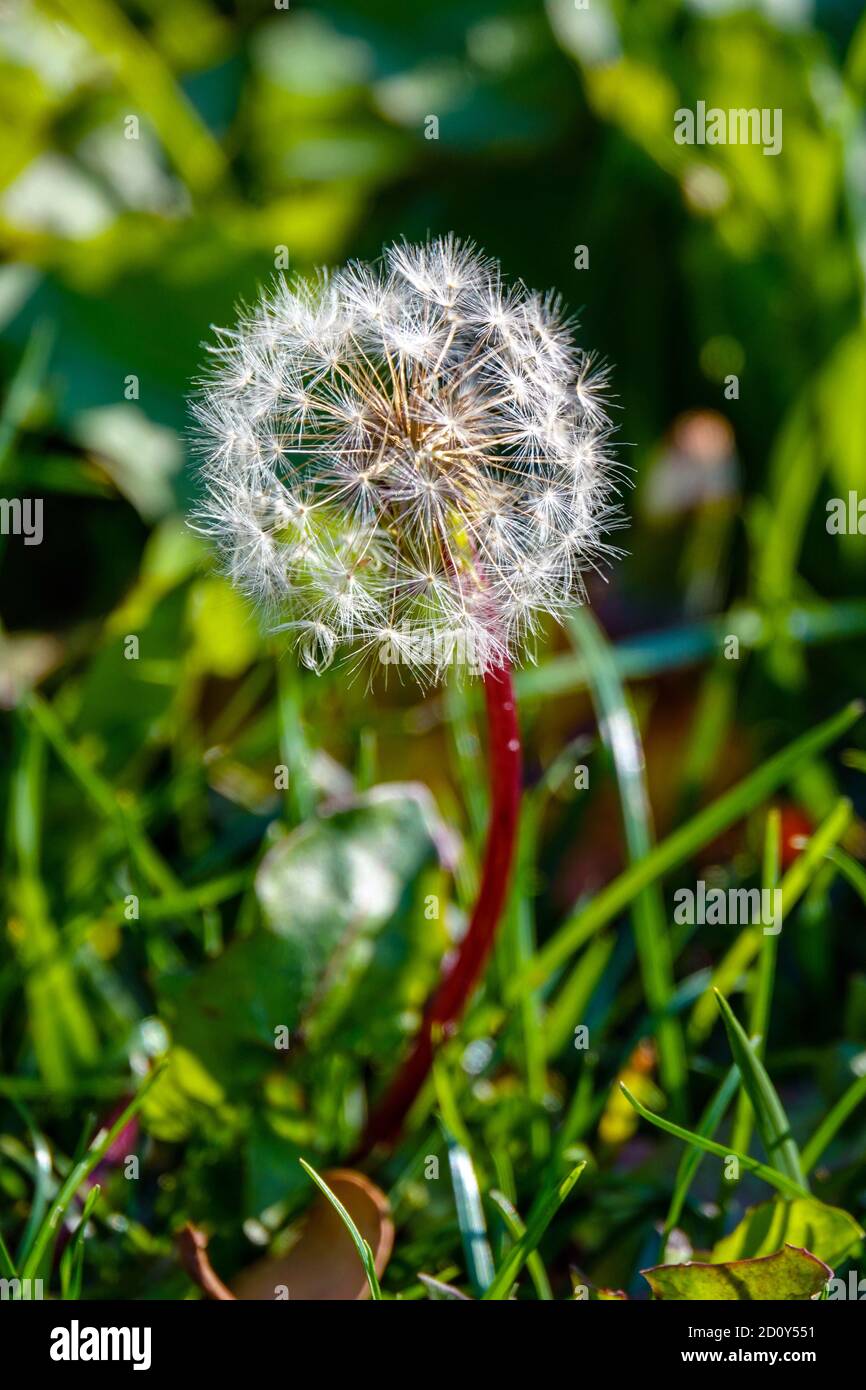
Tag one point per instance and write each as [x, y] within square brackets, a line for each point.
[412, 456]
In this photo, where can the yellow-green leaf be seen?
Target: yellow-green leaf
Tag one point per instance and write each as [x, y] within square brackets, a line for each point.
[827, 1232]
[789, 1275]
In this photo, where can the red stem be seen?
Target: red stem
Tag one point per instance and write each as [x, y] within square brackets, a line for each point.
[448, 1000]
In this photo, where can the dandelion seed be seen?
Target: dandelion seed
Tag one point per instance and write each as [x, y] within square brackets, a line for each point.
[444, 414]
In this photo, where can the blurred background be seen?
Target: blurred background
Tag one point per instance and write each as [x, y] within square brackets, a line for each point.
[158, 163]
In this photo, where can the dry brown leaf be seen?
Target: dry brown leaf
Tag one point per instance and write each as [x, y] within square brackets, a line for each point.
[324, 1264]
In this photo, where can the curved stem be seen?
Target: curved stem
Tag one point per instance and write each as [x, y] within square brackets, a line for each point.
[448, 1000]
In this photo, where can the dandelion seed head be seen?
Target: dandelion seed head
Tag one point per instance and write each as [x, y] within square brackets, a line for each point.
[411, 455]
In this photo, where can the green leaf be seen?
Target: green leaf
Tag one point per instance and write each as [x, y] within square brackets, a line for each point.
[789, 1275]
[842, 407]
[773, 1123]
[221, 639]
[752, 1165]
[271, 1158]
[326, 892]
[185, 1094]
[827, 1232]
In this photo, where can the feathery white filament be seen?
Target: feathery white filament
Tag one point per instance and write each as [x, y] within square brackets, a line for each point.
[410, 457]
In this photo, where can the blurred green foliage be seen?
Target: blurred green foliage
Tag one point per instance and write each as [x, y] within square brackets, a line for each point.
[158, 162]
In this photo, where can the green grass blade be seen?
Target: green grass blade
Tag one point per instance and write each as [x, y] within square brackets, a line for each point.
[62, 1032]
[467, 757]
[361, 1245]
[300, 795]
[470, 1215]
[194, 899]
[140, 69]
[78, 1174]
[517, 1231]
[439, 1291]
[102, 795]
[569, 1007]
[773, 1124]
[710, 724]
[449, 1110]
[516, 946]
[652, 653]
[681, 845]
[832, 1123]
[621, 736]
[792, 887]
[72, 1259]
[42, 1181]
[759, 1018]
[7, 1268]
[25, 386]
[543, 1210]
[807, 864]
[850, 870]
[693, 1157]
[780, 1181]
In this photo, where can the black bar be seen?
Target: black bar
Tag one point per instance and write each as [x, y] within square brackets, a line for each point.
[262, 1339]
